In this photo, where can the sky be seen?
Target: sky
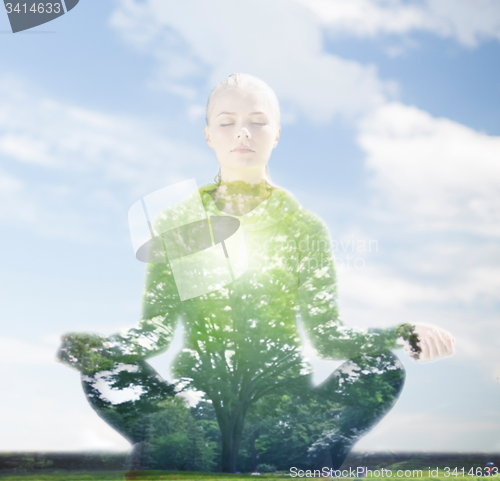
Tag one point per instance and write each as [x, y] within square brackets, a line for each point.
[390, 133]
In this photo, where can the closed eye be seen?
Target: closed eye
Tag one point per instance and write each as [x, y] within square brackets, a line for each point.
[253, 123]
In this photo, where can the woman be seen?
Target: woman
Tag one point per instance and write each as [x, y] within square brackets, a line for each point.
[242, 341]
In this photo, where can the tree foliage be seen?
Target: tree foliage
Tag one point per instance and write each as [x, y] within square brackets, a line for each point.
[242, 347]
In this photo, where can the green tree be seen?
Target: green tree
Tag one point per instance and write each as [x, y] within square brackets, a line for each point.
[241, 340]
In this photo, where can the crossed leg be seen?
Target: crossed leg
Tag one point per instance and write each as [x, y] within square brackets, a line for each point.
[365, 389]
[125, 397]
[362, 389]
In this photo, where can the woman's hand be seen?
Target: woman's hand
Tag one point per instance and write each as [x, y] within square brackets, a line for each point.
[87, 353]
[434, 342]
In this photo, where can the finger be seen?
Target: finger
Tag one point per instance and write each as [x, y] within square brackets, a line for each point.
[440, 343]
[449, 344]
[426, 354]
[438, 346]
[432, 346]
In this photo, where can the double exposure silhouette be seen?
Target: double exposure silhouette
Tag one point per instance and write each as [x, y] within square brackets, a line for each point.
[242, 346]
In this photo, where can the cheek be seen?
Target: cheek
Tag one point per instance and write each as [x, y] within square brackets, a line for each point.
[225, 133]
[221, 139]
[268, 138]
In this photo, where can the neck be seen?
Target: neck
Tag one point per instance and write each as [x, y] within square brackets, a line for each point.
[249, 176]
[239, 197]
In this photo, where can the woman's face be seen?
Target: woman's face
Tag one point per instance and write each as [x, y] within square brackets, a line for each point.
[243, 131]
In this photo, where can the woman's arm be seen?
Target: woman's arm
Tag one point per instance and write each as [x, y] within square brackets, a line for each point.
[154, 332]
[151, 336]
[319, 306]
[433, 342]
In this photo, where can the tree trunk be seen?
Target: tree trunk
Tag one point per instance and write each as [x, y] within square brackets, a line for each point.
[231, 428]
[229, 453]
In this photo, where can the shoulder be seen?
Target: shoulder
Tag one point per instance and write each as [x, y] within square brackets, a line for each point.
[308, 218]
[304, 224]
[308, 222]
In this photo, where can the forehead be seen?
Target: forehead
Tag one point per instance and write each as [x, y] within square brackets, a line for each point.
[242, 103]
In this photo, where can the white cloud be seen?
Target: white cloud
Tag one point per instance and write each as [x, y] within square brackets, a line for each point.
[51, 413]
[367, 17]
[45, 132]
[378, 287]
[14, 203]
[281, 41]
[383, 297]
[37, 132]
[277, 40]
[452, 283]
[15, 351]
[467, 21]
[434, 213]
[23, 205]
[413, 430]
[436, 173]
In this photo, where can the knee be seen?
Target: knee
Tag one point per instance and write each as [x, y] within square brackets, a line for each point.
[390, 368]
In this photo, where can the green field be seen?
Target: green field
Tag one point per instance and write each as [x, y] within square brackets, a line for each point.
[187, 476]
[116, 475]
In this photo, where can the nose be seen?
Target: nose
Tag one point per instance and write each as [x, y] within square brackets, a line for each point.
[244, 131]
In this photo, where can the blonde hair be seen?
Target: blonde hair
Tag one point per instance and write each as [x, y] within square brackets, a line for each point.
[247, 83]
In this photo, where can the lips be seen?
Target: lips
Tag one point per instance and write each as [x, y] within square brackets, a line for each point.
[242, 150]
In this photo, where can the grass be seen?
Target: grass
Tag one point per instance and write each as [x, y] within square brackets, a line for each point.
[188, 476]
[120, 475]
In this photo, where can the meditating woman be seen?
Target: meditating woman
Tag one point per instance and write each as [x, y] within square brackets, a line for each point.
[241, 341]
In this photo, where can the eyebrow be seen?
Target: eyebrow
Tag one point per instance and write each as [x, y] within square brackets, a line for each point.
[234, 113]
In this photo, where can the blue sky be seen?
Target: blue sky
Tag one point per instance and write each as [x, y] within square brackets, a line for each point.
[390, 132]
